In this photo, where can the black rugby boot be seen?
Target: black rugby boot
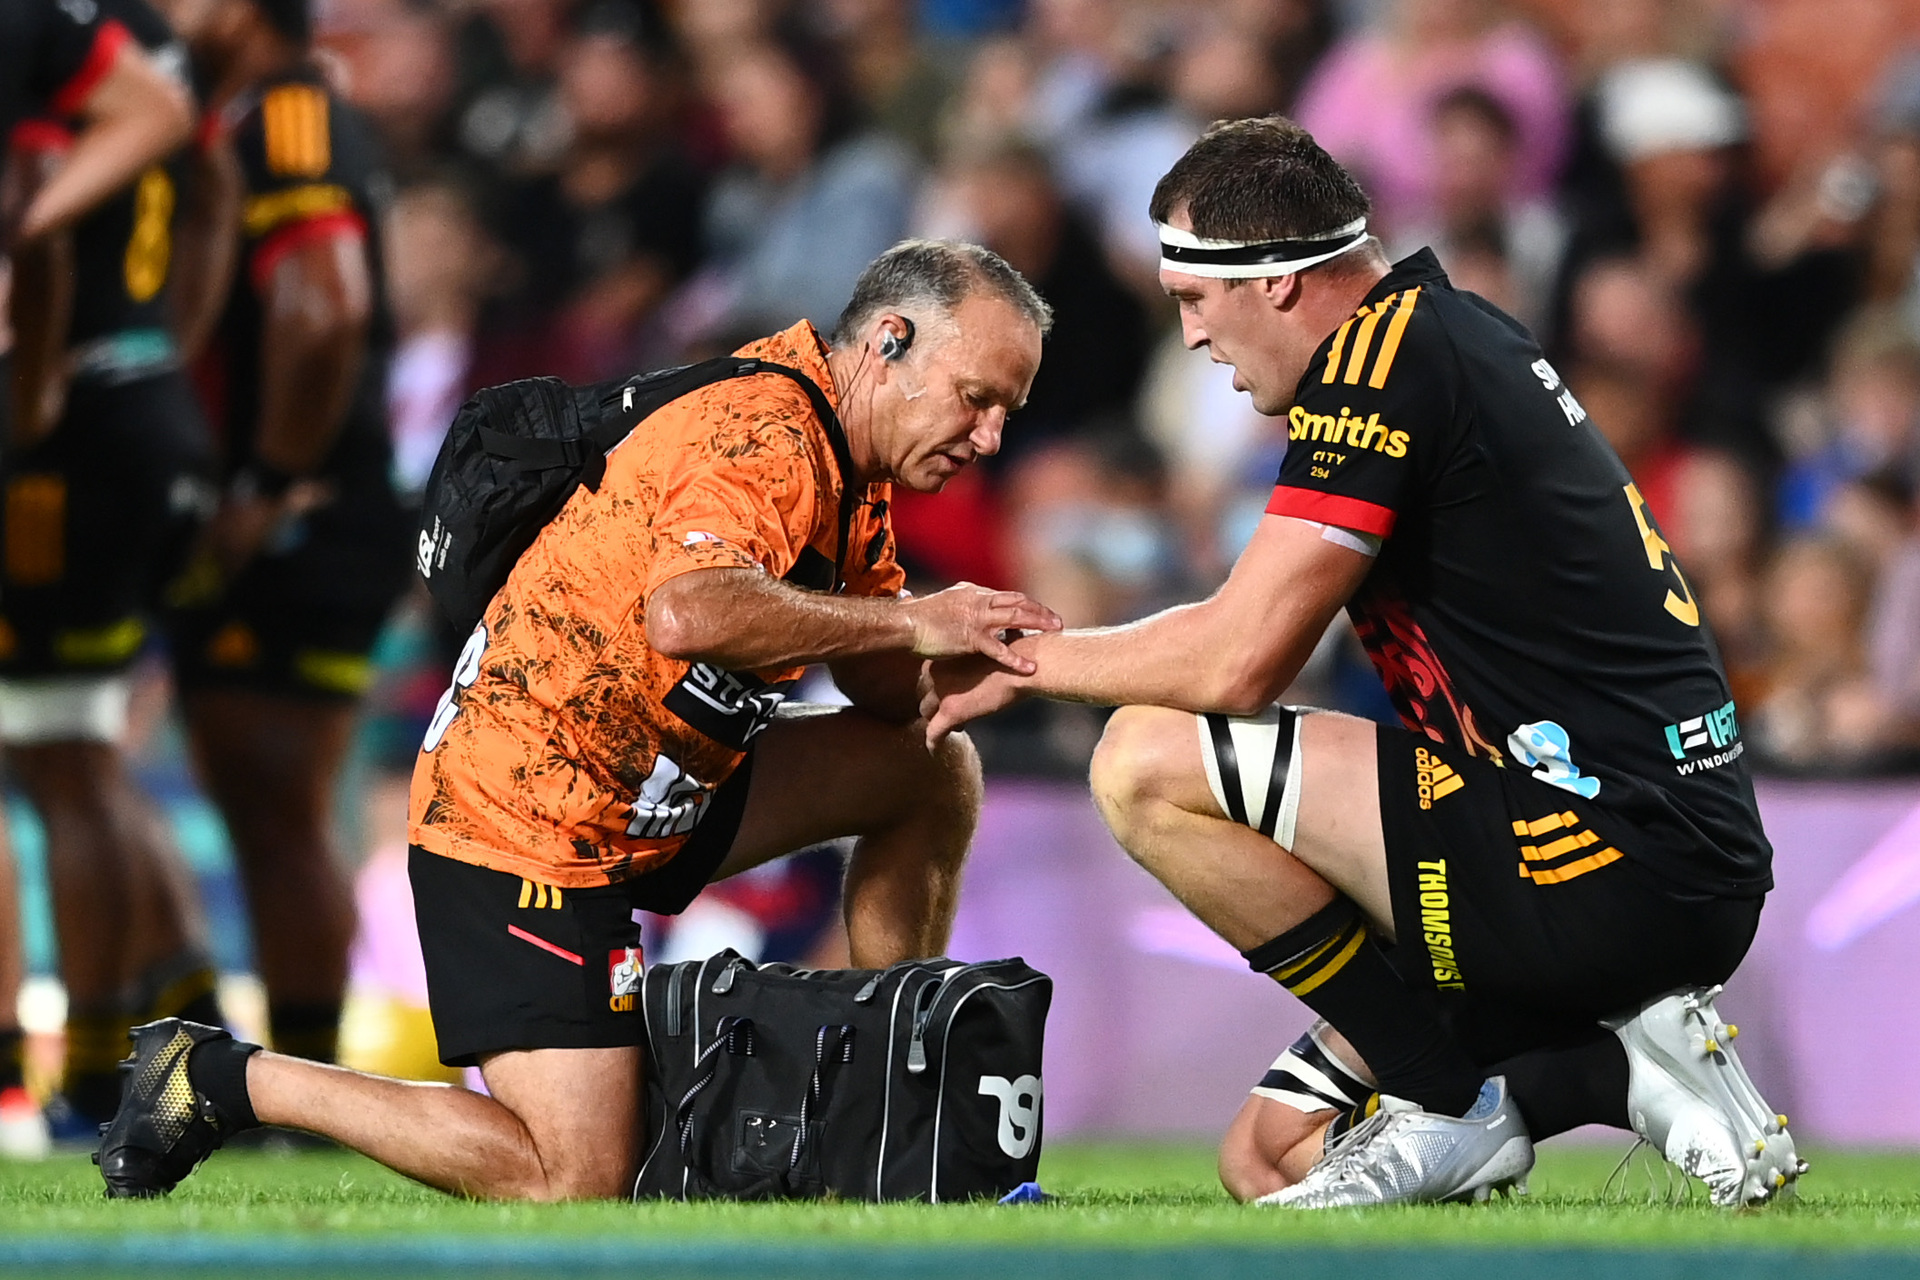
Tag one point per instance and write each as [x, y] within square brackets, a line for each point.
[165, 1126]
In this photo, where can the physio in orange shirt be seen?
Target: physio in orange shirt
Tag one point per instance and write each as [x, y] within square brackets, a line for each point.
[614, 739]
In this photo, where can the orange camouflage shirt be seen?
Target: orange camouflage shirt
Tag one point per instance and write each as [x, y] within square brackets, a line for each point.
[567, 751]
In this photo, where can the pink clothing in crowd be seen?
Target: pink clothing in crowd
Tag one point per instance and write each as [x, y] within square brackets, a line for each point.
[1371, 100]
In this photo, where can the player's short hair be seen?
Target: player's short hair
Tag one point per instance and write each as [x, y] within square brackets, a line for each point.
[927, 279]
[1259, 179]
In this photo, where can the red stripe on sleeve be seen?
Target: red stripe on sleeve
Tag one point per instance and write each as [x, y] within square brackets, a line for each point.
[283, 240]
[74, 93]
[1332, 508]
[40, 135]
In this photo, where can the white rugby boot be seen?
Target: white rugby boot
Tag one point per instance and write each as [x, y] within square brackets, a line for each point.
[23, 1127]
[1689, 1096]
[1408, 1156]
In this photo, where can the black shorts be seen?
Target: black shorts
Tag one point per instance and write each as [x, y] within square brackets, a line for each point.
[512, 964]
[98, 518]
[302, 619]
[1522, 908]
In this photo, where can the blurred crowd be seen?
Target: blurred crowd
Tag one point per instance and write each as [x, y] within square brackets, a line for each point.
[1708, 210]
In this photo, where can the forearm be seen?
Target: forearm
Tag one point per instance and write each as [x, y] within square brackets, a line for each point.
[310, 366]
[743, 620]
[42, 310]
[1196, 657]
[104, 158]
[206, 247]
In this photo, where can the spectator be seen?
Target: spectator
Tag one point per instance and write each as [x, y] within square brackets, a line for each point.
[1820, 711]
[1370, 101]
[812, 197]
[1005, 198]
[1766, 288]
[1874, 421]
[1503, 248]
[440, 262]
[399, 63]
[510, 123]
[604, 240]
[903, 88]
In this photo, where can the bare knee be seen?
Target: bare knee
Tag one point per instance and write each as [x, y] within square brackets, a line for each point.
[1268, 1146]
[1136, 763]
[960, 788]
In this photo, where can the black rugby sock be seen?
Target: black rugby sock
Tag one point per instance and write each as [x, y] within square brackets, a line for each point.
[218, 1069]
[184, 986]
[1331, 963]
[310, 1031]
[1558, 1089]
[97, 1040]
[13, 1067]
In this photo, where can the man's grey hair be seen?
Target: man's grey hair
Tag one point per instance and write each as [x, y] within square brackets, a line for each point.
[925, 280]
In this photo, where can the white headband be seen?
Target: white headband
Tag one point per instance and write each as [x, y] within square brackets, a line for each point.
[1253, 259]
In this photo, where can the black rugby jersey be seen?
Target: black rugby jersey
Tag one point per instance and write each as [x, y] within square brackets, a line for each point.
[311, 170]
[1524, 606]
[123, 249]
[53, 53]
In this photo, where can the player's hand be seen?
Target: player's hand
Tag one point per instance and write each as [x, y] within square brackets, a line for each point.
[245, 526]
[958, 690]
[966, 619]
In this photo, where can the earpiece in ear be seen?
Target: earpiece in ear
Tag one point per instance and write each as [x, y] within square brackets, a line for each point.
[894, 345]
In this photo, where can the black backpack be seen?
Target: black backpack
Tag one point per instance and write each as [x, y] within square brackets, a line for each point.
[516, 452]
[918, 1082]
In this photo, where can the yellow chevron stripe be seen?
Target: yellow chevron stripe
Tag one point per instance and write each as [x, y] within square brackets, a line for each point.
[1357, 358]
[1333, 356]
[1390, 345]
[1281, 975]
[1332, 966]
[1559, 875]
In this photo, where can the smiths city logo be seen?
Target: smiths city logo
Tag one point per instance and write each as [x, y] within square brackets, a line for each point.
[624, 967]
[1347, 429]
[1705, 742]
[1434, 777]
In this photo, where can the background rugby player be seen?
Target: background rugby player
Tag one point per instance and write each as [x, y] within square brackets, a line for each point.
[77, 61]
[1563, 830]
[611, 741]
[106, 480]
[310, 547]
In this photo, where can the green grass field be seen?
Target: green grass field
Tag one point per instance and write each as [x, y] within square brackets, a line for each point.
[1108, 1195]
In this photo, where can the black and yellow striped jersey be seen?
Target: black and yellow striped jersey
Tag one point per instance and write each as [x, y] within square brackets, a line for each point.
[123, 249]
[312, 172]
[53, 53]
[1523, 605]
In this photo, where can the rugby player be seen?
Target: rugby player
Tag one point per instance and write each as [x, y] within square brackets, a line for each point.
[310, 546]
[613, 740]
[100, 507]
[1564, 833]
[79, 62]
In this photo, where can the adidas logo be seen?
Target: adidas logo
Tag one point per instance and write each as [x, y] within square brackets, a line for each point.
[1435, 777]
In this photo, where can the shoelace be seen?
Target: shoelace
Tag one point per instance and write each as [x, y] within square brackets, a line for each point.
[1343, 1157]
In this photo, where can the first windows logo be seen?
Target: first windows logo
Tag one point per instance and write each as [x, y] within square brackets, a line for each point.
[1705, 742]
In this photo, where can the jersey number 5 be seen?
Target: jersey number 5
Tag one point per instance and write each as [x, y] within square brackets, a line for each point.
[1659, 555]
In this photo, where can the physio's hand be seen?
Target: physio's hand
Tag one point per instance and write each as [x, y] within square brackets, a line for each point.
[966, 619]
[958, 690]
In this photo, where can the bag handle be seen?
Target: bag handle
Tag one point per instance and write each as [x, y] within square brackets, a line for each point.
[823, 1057]
[736, 1036]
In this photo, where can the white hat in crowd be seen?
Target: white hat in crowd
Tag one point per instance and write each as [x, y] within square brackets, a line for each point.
[1657, 105]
